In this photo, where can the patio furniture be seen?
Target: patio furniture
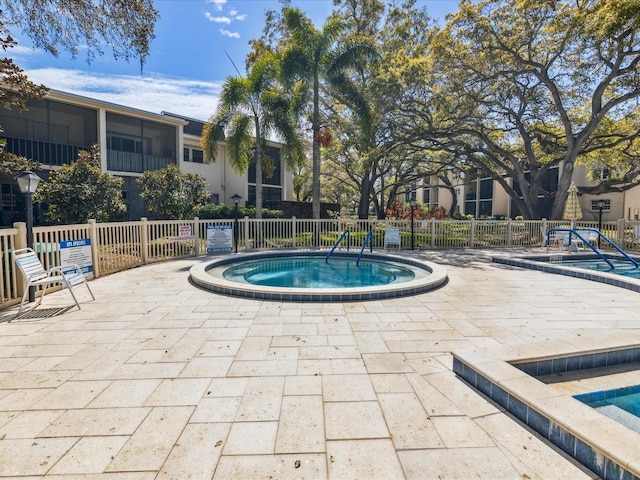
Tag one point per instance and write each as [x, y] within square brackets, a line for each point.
[557, 239]
[35, 274]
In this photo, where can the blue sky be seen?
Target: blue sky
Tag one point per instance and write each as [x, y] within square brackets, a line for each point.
[188, 60]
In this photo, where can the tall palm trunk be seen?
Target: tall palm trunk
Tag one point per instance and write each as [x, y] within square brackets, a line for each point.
[258, 171]
[315, 127]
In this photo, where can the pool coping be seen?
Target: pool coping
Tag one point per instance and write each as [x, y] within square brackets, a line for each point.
[538, 263]
[507, 376]
[200, 276]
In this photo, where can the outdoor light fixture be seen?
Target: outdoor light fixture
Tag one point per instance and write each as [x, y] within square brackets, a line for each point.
[413, 205]
[236, 199]
[410, 197]
[600, 204]
[28, 184]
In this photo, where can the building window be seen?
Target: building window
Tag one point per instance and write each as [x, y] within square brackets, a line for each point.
[9, 197]
[194, 155]
[606, 205]
[197, 156]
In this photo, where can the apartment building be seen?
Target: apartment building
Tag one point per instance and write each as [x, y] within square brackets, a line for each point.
[483, 197]
[53, 130]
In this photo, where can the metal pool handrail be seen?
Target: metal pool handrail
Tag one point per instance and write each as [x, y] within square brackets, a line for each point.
[574, 231]
[622, 252]
[342, 235]
[368, 238]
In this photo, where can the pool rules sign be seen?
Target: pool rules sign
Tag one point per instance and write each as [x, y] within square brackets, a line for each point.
[76, 253]
[219, 238]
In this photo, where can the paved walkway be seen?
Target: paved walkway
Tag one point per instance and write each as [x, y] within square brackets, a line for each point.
[157, 379]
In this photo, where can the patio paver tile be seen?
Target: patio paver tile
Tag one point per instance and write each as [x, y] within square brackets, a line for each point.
[371, 459]
[354, 420]
[148, 448]
[196, 453]
[251, 438]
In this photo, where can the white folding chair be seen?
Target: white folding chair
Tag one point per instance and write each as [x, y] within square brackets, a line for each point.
[35, 274]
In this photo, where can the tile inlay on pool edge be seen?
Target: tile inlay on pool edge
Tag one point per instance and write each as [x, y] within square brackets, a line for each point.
[606, 447]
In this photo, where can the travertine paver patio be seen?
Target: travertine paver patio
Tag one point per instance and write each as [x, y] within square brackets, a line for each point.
[157, 379]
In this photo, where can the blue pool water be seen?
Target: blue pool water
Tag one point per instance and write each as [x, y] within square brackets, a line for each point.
[621, 267]
[621, 404]
[315, 272]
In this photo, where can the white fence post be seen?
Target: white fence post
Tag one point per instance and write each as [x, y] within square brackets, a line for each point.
[293, 232]
[21, 238]
[620, 229]
[245, 227]
[196, 231]
[144, 240]
[472, 234]
[95, 247]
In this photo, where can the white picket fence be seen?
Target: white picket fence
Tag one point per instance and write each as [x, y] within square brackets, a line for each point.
[122, 245]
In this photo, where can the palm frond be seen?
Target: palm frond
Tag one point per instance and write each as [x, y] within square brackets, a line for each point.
[234, 92]
[239, 142]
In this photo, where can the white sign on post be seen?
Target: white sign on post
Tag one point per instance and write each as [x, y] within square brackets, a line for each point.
[76, 253]
[219, 238]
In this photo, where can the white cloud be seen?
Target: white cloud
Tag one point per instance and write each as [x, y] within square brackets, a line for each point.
[191, 98]
[211, 18]
[218, 3]
[21, 50]
[241, 17]
[229, 34]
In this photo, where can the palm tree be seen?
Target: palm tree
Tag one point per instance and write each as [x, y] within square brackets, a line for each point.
[312, 59]
[251, 110]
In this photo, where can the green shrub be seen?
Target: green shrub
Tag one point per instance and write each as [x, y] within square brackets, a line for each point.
[222, 211]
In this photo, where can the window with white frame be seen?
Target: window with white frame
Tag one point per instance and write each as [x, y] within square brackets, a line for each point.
[194, 155]
[604, 203]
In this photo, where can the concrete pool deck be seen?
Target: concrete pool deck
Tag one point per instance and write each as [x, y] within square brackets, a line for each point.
[157, 379]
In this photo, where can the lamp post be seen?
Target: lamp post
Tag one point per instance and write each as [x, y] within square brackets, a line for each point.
[413, 205]
[28, 184]
[600, 206]
[410, 196]
[236, 199]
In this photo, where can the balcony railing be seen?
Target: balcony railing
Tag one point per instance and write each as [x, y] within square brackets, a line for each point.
[47, 153]
[136, 162]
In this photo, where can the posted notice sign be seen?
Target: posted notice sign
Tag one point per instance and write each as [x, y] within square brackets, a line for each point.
[76, 253]
[184, 233]
[219, 238]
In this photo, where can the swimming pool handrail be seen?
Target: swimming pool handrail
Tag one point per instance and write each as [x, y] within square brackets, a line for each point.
[616, 247]
[368, 238]
[342, 235]
[574, 231]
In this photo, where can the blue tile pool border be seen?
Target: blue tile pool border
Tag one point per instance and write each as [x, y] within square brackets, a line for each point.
[432, 277]
[604, 395]
[550, 366]
[601, 464]
[541, 263]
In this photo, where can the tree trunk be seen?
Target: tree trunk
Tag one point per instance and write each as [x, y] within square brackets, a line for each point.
[365, 194]
[315, 127]
[564, 182]
[258, 174]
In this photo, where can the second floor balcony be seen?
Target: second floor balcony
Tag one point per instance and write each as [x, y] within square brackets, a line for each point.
[136, 162]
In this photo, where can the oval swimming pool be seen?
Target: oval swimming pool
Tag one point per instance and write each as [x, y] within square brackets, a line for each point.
[306, 276]
[316, 272]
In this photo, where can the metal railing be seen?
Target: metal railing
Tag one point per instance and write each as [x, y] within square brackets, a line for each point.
[121, 245]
